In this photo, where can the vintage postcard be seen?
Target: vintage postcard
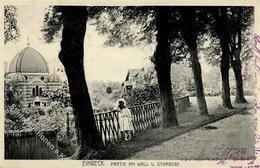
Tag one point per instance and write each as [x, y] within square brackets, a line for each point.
[130, 83]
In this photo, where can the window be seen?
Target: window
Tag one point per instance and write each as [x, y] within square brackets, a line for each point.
[33, 91]
[37, 90]
[40, 91]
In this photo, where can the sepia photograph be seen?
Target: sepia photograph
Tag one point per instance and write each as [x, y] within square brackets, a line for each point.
[130, 83]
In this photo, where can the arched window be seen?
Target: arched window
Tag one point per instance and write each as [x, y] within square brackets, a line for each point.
[37, 90]
[40, 91]
[33, 91]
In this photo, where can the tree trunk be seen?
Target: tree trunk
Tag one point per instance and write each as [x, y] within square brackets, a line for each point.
[222, 32]
[162, 61]
[240, 98]
[169, 117]
[224, 68]
[196, 69]
[235, 60]
[189, 33]
[71, 55]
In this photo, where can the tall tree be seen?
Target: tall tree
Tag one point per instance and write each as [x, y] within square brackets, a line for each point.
[162, 61]
[74, 20]
[240, 19]
[189, 32]
[232, 26]
[221, 29]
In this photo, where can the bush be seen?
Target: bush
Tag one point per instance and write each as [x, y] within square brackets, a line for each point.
[148, 94]
[142, 95]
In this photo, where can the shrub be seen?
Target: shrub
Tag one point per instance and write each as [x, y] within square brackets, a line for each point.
[148, 94]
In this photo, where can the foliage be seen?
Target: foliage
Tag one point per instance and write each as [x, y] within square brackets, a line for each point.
[53, 20]
[12, 95]
[135, 27]
[54, 117]
[13, 118]
[104, 95]
[148, 77]
[61, 96]
[142, 95]
[13, 105]
[148, 94]
[127, 26]
[211, 45]
[212, 79]
[52, 24]
[11, 30]
[182, 76]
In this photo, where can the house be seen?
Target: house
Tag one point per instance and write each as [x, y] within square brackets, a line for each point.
[133, 78]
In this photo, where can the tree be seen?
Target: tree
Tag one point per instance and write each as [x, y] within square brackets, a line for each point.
[190, 32]
[240, 19]
[12, 94]
[13, 106]
[11, 30]
[162, 61]
[221, 29]
[238, 27]
[74, 20]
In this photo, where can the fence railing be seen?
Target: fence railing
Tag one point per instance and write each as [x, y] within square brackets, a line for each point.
[144, 117]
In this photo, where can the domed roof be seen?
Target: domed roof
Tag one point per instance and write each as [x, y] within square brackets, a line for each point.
[29, 61]
[54, 78]
[18, 77]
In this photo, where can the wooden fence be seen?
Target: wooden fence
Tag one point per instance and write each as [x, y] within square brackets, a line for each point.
[144, 117]
[28, 145]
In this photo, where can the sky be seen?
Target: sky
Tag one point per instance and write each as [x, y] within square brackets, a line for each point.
[101, 63]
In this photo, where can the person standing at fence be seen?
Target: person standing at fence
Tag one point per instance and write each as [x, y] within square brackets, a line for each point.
[125, 120]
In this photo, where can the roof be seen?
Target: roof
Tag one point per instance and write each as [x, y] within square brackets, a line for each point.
[18, 77]
[132, 73]
[54, 78]
[29, 61]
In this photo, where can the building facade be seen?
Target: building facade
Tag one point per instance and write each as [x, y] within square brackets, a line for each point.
[133, 78]
[31, 71]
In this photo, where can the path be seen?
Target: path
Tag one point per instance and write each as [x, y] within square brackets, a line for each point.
[232, 137]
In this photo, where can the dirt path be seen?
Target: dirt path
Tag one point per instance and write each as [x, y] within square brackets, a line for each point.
[232, 137]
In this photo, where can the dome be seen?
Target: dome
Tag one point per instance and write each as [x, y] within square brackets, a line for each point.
[54, 78]
[29, 61]
[18, 77]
